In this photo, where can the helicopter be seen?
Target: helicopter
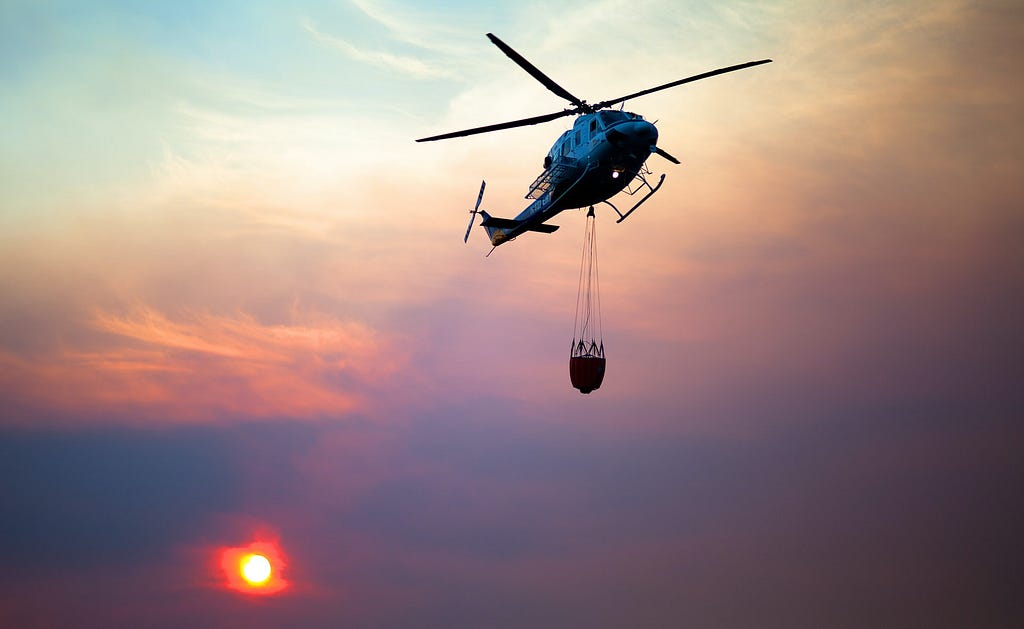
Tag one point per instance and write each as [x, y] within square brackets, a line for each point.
[603, 153]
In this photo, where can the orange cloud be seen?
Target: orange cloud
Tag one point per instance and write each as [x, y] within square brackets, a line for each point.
[205, 366]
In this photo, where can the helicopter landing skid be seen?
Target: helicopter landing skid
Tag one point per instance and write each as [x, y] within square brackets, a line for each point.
[652, 190]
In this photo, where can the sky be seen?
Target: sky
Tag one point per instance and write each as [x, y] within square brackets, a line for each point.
[236, 313]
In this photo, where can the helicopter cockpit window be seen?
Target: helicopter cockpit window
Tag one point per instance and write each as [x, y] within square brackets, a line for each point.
[609, 118]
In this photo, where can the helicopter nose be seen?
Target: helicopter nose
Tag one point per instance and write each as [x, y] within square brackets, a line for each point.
[638, 133]
[644, 132]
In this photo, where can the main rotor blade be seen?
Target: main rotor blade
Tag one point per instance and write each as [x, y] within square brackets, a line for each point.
[688, 79]
[502, 125]
[535, 73]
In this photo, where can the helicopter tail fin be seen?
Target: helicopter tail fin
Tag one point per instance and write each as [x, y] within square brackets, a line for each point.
[503, 223]
[489, 224]
[497, 227]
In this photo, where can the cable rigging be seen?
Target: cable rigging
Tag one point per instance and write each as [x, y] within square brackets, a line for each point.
[586, 354]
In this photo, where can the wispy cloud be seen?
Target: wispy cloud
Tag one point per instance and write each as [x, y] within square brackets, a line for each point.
[404, 64]
[203, 366]
[410, 28]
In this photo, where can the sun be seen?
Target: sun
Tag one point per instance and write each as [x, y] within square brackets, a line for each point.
[255, 569]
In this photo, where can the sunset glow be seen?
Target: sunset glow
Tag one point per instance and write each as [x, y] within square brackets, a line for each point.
[253, 569]
[256, 569]
[252, 377]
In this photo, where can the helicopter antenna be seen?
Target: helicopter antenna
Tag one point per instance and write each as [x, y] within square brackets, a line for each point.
[664, 154]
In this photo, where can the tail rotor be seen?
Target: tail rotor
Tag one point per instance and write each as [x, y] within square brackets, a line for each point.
[475, 210]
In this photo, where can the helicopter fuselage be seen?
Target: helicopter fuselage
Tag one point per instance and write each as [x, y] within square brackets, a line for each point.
[589, 164]
[599, 157]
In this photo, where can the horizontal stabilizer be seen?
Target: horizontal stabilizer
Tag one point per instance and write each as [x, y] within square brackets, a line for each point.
[500, 223]
[543, 227]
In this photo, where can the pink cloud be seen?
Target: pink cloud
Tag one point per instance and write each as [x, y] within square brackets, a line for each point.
[203, 366]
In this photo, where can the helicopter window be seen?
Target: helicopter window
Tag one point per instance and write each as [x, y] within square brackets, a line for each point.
[576, 142]
[593, 124]
[609, 118]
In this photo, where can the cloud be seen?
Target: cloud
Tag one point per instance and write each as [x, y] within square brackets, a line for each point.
[203, 366]
[420, 29]
[813, 332]
[406, 65]
[108, 496]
